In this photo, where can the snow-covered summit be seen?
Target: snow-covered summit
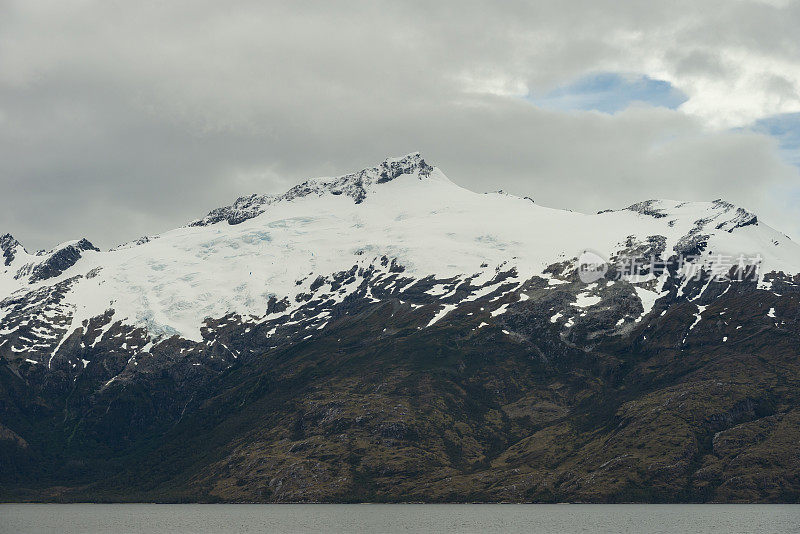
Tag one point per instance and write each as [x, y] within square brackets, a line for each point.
[718, 214]
[706, 219]
[20, 265]
[8, 248]
[355, 185]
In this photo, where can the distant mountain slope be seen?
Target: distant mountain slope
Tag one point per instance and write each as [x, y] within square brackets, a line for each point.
[388, 335]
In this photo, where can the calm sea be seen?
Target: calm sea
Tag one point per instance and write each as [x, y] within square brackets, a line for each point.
[166, 518]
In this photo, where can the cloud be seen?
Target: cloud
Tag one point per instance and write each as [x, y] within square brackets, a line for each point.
[591, 161]
[786, 129]
[124, 118]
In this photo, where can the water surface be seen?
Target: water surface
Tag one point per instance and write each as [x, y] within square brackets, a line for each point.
[500, 518]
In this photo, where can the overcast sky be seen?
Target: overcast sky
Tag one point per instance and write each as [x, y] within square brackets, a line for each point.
[125, 118]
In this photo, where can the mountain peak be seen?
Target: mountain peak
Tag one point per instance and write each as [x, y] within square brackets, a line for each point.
[718, 214]
[8, 247]
[55, 261]
[354, 185]
[734, 216]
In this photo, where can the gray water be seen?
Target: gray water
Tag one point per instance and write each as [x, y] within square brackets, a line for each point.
[201, 518]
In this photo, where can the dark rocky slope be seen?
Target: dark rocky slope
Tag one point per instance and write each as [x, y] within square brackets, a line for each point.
[376, 408]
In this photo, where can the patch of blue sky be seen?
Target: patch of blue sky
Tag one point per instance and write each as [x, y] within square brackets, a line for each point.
[611, 92]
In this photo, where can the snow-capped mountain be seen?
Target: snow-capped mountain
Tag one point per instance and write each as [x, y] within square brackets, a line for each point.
[402, 220]
[399, 266]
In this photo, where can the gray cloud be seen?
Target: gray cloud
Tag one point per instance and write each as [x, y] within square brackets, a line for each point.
[122, 119]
